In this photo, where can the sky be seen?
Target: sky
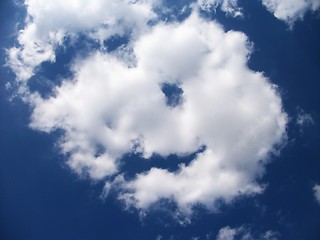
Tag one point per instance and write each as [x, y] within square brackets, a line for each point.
[163, 120]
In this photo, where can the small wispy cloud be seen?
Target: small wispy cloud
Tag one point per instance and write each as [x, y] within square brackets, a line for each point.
[316, 190]
[304, 118]
[244, 233]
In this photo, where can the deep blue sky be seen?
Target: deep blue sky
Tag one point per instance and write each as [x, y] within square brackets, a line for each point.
[40, 198]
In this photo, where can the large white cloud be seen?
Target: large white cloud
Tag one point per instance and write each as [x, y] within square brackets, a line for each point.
[111, 108]
[48, 23]
[291, 10]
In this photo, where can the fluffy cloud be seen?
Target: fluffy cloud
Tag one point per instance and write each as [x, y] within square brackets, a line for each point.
[291, 10]
[48, 23]
[115, 103]
[114, 106]
[316, 190]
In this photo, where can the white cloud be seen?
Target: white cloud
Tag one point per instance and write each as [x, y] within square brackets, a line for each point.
[244, 233]
[48, 23]
[228, 6]
[114, 104]
[286, 10]
[316, 190]
[291, 10]
[110, 109]
[232, 99]
[227, 233]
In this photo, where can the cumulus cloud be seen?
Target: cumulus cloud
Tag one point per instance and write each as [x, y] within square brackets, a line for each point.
[291, 10]
[49, 23]
[111, 108]
[316, 190]
[115, 104]
[232, 99]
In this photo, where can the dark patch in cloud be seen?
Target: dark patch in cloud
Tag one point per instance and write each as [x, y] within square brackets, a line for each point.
[173, 93]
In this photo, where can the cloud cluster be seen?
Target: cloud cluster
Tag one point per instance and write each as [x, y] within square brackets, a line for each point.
[291, 10]
[115, 103]
[49, 23]
[111, 108]
[286, 10]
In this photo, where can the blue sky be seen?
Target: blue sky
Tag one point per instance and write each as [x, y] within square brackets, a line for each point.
[159, 120]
